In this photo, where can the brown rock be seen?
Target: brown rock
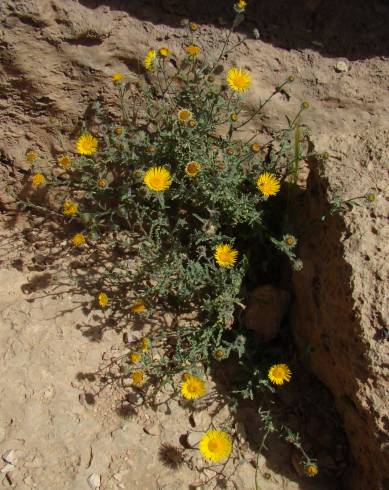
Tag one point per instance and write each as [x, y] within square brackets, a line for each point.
[266, 307]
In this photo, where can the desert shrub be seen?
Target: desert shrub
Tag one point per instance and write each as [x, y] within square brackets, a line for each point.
[189, 203]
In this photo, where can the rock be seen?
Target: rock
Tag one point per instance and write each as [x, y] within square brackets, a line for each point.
[94, 481]
[152, 429]
[7, 468]
[10, 457]
[193, 438]
[341, 67]
[266, 307]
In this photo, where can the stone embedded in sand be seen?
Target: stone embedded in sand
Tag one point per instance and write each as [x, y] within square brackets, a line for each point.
[94, 481]
[341, 66]
[193, 438]
[266, 307]
[10, 457]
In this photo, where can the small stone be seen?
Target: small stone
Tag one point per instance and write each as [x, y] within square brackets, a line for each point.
[341, 66]
[193, 438]
[7, 468]
[94, 481]
[10, 457]
[152, 429]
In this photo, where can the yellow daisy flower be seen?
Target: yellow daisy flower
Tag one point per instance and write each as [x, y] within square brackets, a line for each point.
[102, 183]
[158, 179]
[86, 144]
[38, 180]
[138, 378]
[184, 115]
[192, 169]
[103, 300]
[238, 79]
[135, 357]
[193, 26]
[279, 374]
[215, 446]
[31, 156]
[164, 52]
[149, 59]
[117, 77]
[78, 240]
[70, 208]
[311, 469]
[144, 344]
[192, 388]
[138, 307]
[225, 255]
[64, 161]
[240, 6]
[268, 184]
[193, 50]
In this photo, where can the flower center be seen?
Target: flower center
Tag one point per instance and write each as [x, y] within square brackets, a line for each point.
[213, 446]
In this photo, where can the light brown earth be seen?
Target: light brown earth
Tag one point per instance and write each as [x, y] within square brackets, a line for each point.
[56, 58]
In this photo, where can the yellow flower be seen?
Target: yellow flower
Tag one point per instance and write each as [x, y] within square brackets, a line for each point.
[157, 179]
[119, 130]
[164, 52]
[78, 240]
[135, 357]
[102, 183]
[268, 184]
[234, 117]
[144, 344]
[193, 26]
[138, 307]
[103, 300]
[192, 388]
[192, 169]
[279, 374]
[64, 161]
[38, 180]
[255, 148]
[312, 469]
[238, 79]
[117, 77]
[31, 156]
[70, 208]
[193, 50]
[215, 446]
[240, 6]
[184, 115]
[289, 240]
[225, 255]
[138, 378]
[148, 61]
[86, 144]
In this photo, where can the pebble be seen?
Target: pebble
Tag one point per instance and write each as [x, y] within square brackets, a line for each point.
[10, 457]
[152, 429]
[94, 481]
[341, 66]
[7, 468]
[193, 438]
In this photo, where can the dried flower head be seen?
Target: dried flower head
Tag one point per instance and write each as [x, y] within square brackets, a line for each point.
[193, 26]
[138, 378]
[225, 255]
[215, 446]
[305, 105]
[119, 130]
[64, 161]
[184, 115]
[171, 456]
[219, 354]
[102, 183]
[192, 169]
[234, 117]
[255, 148]
[158, 179]
[279, 374]
[192, 124]
[86, 144]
